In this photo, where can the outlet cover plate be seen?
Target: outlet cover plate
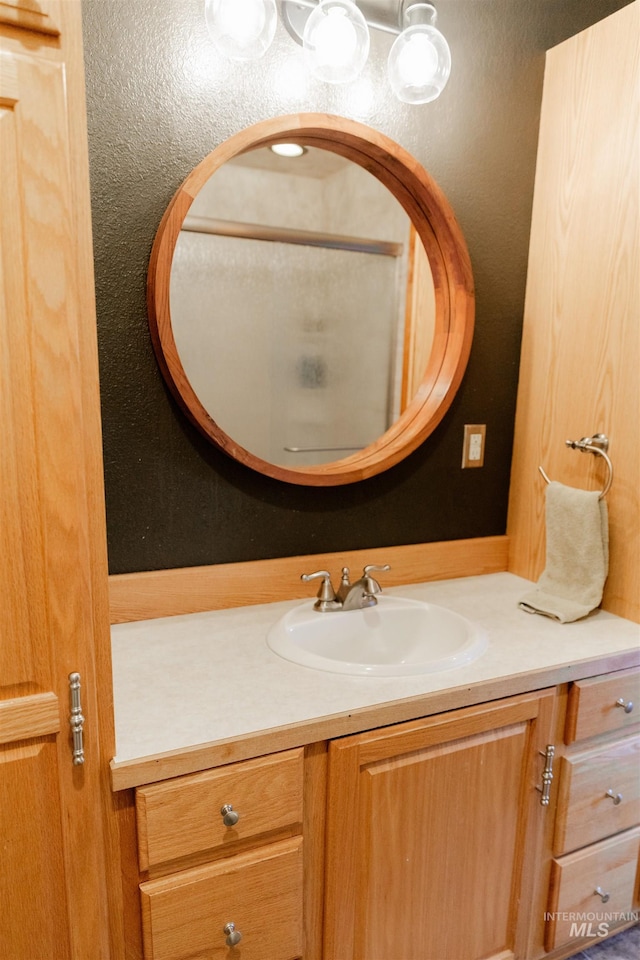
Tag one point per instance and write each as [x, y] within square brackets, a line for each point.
[473, 447]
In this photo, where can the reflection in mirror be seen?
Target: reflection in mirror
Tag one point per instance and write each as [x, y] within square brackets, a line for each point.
[302, 305]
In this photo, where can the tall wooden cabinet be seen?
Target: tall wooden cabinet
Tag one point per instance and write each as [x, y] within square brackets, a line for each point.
[57, 899]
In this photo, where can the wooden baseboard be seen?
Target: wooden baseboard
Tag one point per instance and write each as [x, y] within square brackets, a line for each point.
[167, 593]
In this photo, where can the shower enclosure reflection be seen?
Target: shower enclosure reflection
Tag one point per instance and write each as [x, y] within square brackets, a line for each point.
[302, 305]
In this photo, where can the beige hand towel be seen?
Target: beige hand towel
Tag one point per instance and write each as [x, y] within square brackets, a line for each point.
[577, 557]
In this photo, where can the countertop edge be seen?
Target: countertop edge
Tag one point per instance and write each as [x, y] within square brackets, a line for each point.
[133, 773]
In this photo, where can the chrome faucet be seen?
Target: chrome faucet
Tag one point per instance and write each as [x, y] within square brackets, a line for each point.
[350, 596]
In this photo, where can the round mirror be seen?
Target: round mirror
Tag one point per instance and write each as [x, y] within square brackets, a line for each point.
[311, 306]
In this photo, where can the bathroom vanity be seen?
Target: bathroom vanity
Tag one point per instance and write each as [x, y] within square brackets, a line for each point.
[481, 812]
[272, 811]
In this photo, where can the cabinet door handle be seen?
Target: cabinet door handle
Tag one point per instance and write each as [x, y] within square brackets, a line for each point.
[547, 774]
[599, 892]
[627, 705]
[616, 797]
[76, 720]
[229, 816]
[233, 936]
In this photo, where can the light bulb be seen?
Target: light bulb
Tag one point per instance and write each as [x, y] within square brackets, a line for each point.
[241, 29]
[419, 64]
[336, 38]
[418, 61]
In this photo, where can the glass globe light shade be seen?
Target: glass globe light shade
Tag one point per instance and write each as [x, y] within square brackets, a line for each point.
[336, 38]
[419, 64]
[241, 29]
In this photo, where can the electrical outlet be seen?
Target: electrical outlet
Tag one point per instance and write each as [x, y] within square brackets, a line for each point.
[473, 447]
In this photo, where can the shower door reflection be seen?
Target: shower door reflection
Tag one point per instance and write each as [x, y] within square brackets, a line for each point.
[295, 350]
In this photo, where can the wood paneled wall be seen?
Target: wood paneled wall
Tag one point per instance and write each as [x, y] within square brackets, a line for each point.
[580, 366]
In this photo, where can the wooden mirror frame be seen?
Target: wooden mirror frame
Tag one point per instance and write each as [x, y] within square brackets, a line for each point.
[446, 249]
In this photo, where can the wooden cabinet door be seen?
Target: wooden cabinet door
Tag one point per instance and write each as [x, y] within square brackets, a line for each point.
[429, 825]
[53, 892]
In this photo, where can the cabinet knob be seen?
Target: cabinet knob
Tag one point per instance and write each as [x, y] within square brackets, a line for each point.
[229, 816]
[616, 797]
[233, 936]
[627, 705]
[599, 892]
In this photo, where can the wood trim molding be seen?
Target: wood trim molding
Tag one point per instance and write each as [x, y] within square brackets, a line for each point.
[167, 593]
[40, 15]
[23, 718]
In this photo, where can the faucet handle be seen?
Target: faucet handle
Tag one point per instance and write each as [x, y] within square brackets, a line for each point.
[372, 585]
[327, 599]
[345, 585]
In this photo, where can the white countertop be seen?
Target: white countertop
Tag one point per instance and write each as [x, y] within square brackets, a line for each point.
[205, 678]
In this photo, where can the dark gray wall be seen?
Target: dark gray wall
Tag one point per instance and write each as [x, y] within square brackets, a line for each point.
[158, 101]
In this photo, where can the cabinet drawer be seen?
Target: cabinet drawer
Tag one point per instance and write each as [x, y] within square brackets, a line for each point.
[259, 892]
[594, 706]
[610, 866]
[181, 817]
[585, 812]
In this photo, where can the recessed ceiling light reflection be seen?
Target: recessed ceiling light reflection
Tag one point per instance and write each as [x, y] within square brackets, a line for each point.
[288, 149]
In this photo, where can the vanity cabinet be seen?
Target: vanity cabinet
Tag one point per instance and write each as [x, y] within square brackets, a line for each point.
[430, 824]
[597, 833]
[223, 851]
[477, 833]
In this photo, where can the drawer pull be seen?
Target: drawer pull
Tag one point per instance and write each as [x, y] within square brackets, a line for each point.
[627, 705]
[233, 936]
[229, 816]
[599, 892]
[616, 797]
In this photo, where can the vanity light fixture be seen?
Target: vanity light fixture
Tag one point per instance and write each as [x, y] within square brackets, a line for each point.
[288, 149]
[241, 29]
[335, 37]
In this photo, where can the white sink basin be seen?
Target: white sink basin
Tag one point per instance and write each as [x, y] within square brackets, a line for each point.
[398, 637]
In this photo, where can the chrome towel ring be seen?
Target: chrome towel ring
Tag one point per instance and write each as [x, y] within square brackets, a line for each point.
[598, 444]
